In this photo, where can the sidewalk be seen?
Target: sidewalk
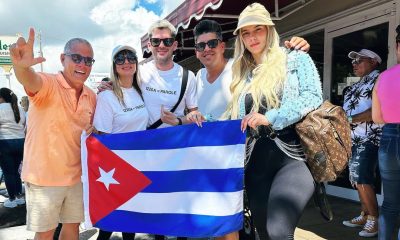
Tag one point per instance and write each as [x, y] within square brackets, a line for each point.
[311, 227]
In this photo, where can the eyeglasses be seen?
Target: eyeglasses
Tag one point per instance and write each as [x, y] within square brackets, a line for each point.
[123, 55]
[155, 42]
[358, 61]
[213, 43]
[77, 58]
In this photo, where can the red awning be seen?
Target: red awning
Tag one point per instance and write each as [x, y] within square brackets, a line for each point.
[190, 12]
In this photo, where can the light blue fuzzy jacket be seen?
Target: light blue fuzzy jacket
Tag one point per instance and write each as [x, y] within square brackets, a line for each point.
[302, 92]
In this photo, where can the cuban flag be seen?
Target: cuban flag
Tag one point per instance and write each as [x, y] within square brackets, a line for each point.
[180, 181]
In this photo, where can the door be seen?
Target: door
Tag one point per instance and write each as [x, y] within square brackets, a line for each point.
[367, 29]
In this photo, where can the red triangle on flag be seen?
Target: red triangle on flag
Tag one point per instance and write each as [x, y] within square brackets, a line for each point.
[128, 180]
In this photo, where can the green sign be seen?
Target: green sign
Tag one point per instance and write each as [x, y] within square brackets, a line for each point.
[5, 61]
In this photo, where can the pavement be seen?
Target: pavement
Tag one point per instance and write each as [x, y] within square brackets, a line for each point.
[311, 227]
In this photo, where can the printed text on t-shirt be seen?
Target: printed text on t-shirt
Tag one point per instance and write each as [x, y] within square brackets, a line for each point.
[150, 89]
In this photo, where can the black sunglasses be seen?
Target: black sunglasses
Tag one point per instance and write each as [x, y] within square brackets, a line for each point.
[155, 42]
[213, 43]
[77, 58]
[123, 55]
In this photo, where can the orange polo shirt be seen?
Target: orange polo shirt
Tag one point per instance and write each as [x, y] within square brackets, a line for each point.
[52, 154]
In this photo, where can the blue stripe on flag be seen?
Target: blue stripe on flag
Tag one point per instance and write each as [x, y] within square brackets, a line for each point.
[183, 225]
[178, 137]
[196, 180]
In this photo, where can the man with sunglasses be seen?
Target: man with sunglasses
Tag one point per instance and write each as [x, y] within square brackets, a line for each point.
[61, 107]
[162, 78]
[365, 137]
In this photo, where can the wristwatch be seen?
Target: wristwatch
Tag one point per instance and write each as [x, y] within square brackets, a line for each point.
[179, 121]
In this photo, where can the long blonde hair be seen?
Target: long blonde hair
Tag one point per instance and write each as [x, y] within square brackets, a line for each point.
[268, 77]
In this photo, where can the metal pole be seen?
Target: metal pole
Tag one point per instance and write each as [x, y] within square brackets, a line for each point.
[277, 8]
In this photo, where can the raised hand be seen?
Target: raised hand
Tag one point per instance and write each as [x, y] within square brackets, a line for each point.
[298, 43]
[22, 52]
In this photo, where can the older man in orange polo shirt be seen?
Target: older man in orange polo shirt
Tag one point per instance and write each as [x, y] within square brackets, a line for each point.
[61, 108]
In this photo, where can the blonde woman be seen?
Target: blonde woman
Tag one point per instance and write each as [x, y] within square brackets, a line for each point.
[272, 89]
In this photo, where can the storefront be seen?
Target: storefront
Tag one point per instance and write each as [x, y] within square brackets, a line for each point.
[333, 29]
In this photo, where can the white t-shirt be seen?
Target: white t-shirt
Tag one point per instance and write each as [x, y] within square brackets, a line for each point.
[162, 88]
[9, 129]
[112, 117]
[214, 97]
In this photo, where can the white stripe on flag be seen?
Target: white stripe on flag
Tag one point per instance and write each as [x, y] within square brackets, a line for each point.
[200, 203]
[185, 158]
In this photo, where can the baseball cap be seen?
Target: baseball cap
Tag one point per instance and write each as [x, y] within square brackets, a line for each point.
[365, 53]
[120, 48]
[254, 14]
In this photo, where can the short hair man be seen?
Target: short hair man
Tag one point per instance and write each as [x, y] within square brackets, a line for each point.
[162, 78]
[61, 107]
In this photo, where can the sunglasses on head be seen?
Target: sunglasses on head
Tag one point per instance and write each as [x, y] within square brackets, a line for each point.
[200, 46]
[155, 42]
[77, 58]
[120, 58]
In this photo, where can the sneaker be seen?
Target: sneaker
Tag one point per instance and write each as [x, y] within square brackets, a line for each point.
[359, 221]
[370, 228]
[10, 203]
[20, 200]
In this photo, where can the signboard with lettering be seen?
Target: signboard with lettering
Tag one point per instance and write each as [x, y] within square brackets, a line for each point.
[5, 42]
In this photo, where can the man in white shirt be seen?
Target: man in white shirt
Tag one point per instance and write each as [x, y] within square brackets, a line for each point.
[162, 78]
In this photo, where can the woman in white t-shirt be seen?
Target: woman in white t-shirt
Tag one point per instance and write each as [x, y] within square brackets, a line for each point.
[121, 109]
[12, 137]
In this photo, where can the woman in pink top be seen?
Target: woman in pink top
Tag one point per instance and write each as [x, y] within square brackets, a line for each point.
[386, 109]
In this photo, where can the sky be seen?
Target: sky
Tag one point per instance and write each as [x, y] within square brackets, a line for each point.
[104, 23]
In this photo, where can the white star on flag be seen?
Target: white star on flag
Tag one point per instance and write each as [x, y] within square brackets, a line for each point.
[107, 178]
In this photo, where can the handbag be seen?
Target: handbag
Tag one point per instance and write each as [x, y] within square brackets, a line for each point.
[325, 136]
[325, 141]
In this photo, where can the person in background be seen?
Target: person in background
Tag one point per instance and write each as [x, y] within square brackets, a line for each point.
[12, 137]
[365, 138]
[25, 103]
[386, 109]
[61, 108]
[272, 88]
[121, 109]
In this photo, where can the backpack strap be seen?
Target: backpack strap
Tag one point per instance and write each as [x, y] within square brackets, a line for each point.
[183, 90]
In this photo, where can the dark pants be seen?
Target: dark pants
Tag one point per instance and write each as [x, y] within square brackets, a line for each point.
[389, 166]
[104, 235]
[12, 151]
[278, 189]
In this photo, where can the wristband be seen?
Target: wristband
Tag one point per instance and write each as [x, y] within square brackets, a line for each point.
[179, 121]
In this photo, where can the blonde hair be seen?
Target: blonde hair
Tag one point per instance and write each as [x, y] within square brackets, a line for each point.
[268, 77]
[162, 24]
[117, 85]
